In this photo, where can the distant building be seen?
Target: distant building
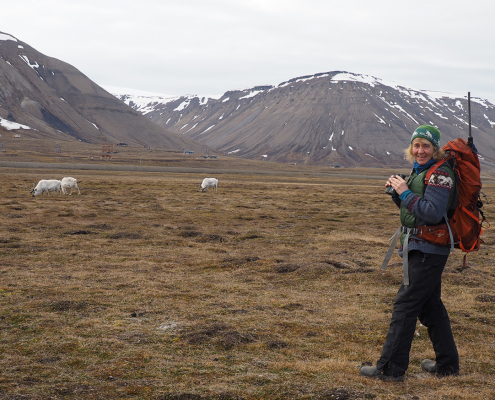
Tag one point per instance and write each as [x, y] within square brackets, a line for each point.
[107, 149]
[213, 157]
[188, 152]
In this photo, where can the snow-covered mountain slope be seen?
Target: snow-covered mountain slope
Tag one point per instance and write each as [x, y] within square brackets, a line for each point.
[326, 118]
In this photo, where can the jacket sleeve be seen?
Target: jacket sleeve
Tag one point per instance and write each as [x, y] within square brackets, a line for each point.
[395, 198]
[433, 205]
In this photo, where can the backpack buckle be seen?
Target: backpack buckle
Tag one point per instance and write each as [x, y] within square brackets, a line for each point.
[411, 231]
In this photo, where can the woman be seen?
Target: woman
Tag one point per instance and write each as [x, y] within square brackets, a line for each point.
[420, 204]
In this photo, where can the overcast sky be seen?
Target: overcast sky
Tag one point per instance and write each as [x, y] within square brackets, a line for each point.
[181, 47]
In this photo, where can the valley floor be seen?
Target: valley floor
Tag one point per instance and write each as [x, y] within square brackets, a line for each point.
[143, 287]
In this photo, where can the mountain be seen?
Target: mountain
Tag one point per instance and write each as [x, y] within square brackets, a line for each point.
[327, 118]
[54, 99]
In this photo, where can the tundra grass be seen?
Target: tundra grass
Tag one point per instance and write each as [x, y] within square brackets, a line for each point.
[143, 287]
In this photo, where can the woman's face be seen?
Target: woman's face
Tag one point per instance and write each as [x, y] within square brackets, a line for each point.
[422, 151]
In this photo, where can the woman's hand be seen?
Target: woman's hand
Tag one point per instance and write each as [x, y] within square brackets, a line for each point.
[398, 184]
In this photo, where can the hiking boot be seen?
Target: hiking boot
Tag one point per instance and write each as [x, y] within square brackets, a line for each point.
[374, 372]
[431, 367]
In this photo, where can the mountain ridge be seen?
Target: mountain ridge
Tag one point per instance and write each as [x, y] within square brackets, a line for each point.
[56, 100]
[326, 118]
[333, 117]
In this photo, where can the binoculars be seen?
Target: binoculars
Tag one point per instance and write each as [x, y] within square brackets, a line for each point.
[390, 190]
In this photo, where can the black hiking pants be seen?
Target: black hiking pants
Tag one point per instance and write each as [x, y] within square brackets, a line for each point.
[421, 299]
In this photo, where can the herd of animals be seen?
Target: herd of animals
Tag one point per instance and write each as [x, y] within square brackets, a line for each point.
[63, 186]
[54, 185]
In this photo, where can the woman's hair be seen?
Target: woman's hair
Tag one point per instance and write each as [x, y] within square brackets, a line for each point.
[437, 155]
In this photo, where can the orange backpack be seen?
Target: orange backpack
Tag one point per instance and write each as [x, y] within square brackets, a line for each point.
[465, 218]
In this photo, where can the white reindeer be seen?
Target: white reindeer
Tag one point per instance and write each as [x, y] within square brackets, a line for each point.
[209, 182]
[47, 185]
[69, 183]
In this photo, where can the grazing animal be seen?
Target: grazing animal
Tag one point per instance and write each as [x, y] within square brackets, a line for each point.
[47, 185]
[69, 183]
[209, 182]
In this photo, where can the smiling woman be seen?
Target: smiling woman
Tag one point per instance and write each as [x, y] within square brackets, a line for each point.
[422, 150]
[420, 203]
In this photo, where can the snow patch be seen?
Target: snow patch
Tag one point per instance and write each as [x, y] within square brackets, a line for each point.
[398, 107]
[346, 76]
[26, 60]
[207, 129]
[190, 129]
[9, 125]
[380, 119]
[182, 105]
[234, 151]
[441, 116]
[464, 122]
[34, 66]
[252, 94]
[490, 122]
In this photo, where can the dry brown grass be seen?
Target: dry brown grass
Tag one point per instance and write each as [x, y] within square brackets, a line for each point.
[145, 288]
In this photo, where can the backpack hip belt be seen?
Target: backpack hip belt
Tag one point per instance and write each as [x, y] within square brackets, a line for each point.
[435, 234]
[440, 235]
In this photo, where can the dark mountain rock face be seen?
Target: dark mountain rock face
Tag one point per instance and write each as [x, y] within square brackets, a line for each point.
[323, 119]
[56, 99]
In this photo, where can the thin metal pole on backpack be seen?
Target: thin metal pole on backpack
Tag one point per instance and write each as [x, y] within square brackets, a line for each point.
[470, 138]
